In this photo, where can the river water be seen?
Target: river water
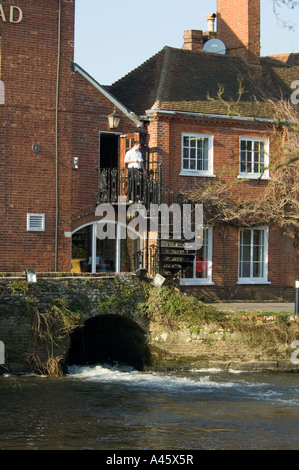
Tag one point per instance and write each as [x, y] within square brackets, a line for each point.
[105, 407]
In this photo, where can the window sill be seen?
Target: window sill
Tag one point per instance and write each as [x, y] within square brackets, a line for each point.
[253, 282]
[196, 282]
[197, 173]
[248, 176]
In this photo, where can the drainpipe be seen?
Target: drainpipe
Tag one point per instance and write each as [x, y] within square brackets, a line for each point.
[56, 138]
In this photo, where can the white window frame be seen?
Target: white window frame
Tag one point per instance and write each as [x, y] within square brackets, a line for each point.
[251, 279]
[41, 228]
[206, 280]
[252, 174]
[195, 172]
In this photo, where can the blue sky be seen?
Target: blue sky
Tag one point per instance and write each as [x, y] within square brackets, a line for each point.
[113, 38]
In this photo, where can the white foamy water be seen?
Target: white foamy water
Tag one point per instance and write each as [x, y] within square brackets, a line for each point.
[126, 375]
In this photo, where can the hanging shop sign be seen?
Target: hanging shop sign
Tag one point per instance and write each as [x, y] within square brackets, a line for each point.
[11, 14]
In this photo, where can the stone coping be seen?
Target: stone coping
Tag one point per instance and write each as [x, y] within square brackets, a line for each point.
[41, 275]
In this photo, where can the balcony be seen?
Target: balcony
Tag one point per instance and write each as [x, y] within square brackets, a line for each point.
[135, 187]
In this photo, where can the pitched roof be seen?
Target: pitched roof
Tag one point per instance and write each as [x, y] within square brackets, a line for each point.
[182, 80]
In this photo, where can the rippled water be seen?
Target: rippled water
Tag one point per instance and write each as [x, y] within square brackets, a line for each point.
[104, 407]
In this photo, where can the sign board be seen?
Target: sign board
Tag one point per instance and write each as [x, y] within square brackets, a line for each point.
[158, 280]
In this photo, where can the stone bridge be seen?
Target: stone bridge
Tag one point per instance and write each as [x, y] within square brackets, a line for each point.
[86, 319]
[94, 319]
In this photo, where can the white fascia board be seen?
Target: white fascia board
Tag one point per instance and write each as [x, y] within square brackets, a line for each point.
[150, 112]
[101, 89]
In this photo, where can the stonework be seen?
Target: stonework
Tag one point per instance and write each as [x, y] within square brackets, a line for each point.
[204, 345]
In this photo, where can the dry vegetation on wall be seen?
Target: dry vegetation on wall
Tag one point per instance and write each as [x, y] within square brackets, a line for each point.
[50, 325]
[174, 310]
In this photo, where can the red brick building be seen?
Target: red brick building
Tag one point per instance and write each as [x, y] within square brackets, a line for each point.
[54, 136]
[60, 157]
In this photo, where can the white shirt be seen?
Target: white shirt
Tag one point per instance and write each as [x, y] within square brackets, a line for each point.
[134, 155]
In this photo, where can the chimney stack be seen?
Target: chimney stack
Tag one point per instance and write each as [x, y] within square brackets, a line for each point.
[193, 40]
[238, 26]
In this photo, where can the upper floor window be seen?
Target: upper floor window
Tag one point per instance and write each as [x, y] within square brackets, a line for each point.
[197, 155]
[254, 158]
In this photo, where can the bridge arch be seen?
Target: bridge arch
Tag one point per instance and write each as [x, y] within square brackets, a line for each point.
[109, 339]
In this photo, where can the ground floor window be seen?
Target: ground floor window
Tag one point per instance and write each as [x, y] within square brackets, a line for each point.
[253, 255]
[201, 270]
[94, 255]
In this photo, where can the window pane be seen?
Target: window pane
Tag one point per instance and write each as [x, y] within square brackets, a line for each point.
[246, 237]
[185, 164]
[245, 269]
[186, 141]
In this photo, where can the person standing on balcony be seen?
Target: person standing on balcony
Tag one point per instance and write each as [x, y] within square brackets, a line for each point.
[136, 170]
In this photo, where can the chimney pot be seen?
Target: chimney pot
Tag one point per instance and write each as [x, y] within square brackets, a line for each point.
[211, 22]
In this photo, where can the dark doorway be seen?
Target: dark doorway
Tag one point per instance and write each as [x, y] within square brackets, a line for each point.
[111, 340]
[108, 151]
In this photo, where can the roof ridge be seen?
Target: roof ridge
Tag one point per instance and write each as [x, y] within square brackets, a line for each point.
[162, 80]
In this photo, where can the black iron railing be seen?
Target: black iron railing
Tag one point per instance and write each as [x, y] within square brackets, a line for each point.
[135, 187]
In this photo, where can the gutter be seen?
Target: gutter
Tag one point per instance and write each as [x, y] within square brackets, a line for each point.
[56, 140]
[151, 112]
[133, 117]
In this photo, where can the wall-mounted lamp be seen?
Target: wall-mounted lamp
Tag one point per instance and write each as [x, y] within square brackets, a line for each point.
[36, 148]
[114, 119]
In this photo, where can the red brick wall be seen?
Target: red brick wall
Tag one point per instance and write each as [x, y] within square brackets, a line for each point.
[29, 67]
[29, 71]
[238, 26]
[167, 143]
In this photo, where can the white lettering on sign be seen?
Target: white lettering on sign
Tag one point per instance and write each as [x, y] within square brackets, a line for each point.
[13, 15]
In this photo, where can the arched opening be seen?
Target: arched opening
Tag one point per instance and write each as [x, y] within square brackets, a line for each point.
[109, 339]
[91, 254]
